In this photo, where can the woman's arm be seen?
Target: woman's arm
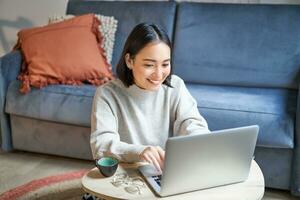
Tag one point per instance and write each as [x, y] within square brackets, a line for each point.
[188, 119]
[105, 139]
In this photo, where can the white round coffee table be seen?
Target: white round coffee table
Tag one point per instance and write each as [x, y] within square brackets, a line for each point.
[253, 188]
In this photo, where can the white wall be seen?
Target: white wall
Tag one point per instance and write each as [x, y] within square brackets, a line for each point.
[18, 14]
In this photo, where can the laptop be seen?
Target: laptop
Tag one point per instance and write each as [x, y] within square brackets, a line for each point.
[203, 161]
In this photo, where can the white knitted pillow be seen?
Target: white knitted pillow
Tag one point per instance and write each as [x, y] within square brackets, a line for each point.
[107, 28]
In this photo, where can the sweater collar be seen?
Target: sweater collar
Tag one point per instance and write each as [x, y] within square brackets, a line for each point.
[136, 91]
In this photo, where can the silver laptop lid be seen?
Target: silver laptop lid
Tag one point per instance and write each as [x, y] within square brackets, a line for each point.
[208, 160]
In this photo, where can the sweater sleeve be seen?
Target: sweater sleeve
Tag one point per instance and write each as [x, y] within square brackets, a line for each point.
[105, 139]
[188, 119]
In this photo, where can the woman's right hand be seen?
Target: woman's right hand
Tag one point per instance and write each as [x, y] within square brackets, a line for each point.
[154, 155]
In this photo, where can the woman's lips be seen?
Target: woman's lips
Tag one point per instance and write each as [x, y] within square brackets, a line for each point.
[154, 82]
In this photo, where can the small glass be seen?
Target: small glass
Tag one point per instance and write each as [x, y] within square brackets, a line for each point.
[133, 185]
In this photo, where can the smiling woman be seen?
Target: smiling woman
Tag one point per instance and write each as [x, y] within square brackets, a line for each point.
[134, 115]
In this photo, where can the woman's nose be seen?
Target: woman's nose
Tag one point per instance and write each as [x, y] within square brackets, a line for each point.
[158, 73]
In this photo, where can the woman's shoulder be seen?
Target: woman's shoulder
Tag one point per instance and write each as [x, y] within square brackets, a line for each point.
[111, 87]
[176, 81]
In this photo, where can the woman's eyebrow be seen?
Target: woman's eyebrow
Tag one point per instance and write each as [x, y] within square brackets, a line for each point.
[152, 60]
[148, 59]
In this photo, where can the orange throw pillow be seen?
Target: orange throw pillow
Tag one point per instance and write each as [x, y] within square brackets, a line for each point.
[67, 52]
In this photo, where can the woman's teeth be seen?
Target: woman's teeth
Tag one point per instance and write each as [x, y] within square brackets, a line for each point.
[154, 82]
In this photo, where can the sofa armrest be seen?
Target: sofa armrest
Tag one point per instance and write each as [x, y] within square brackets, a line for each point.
[10, 65]
[295, 184]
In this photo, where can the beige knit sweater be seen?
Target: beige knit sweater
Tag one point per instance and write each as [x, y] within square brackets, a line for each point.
[124, 121]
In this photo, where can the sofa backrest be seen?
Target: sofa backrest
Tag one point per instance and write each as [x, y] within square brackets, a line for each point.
[238, 44]
[128, 15]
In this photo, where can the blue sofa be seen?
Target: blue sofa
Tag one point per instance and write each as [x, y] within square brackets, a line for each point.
[240, 61]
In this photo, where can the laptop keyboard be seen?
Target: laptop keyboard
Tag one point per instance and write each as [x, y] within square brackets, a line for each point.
[157, 179]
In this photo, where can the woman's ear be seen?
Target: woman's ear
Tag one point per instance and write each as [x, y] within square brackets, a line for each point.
[128, 61]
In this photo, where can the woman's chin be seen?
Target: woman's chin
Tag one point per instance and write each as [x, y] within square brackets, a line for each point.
[152, 87]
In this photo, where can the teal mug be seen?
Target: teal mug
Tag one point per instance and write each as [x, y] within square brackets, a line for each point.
[107, 166]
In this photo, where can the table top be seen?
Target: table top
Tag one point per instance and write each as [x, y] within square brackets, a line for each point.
[94, 183]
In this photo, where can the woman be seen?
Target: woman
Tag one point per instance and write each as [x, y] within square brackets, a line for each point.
[133, 116]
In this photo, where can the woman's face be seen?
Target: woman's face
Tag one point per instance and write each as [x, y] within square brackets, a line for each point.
[150, 66]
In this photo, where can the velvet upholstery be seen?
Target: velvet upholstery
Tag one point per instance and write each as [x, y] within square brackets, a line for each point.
[9, 70]
[54, 103]
[238, 44]
[295, 183]
[276, 165]
[272, 109]
[240, 61]
[59, 138]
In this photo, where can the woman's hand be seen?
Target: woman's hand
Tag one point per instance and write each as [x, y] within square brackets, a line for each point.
[154, 155]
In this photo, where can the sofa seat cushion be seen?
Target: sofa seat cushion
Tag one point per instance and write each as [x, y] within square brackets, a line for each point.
[223, 107]
[228, 107]
[57, 103]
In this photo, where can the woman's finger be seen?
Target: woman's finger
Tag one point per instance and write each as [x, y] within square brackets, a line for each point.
[151, 155]
[155, 162]
[146, 158]
[161, 153]
[158, 158]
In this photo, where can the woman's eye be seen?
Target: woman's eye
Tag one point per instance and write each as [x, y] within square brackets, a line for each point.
[148, 65]
[166, 65]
